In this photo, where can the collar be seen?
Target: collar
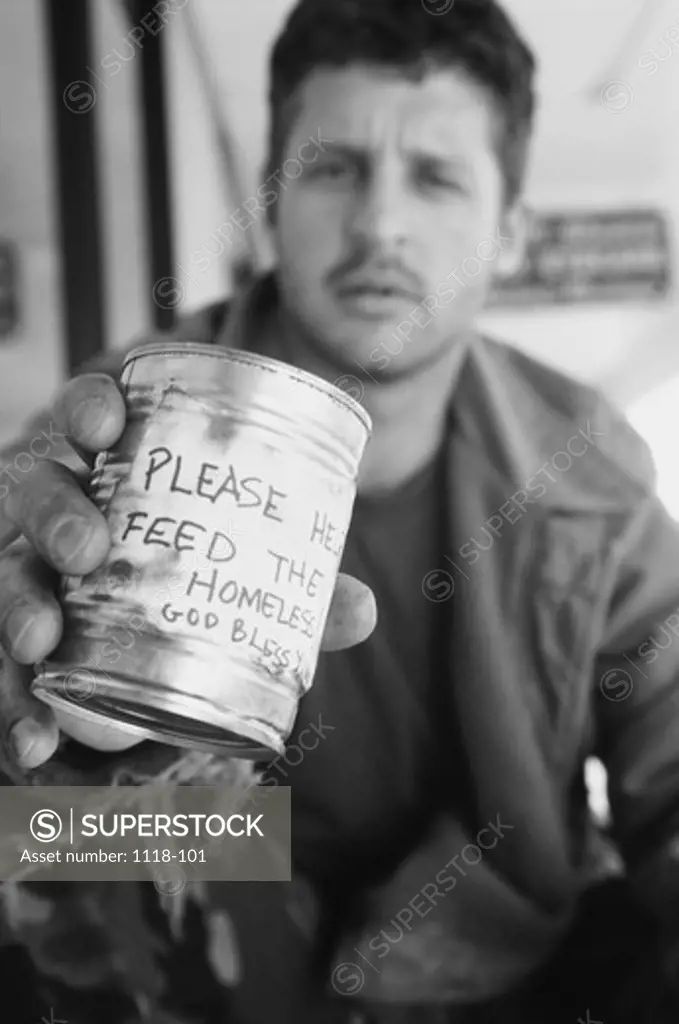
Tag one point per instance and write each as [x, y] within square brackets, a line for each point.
[248, 314]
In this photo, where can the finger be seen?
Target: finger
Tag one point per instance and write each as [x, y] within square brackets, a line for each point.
[91, 412]
[93, 731]
[28, 729]
[30, 617]
[51, 510]
[352, 616]
[8, 531]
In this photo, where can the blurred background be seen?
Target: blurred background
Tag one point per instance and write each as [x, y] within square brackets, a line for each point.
[132, 132]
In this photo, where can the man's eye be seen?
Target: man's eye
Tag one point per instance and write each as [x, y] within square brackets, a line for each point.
[432, 179]
[333, 171]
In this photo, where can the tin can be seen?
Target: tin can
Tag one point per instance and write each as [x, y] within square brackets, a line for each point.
[228, 499]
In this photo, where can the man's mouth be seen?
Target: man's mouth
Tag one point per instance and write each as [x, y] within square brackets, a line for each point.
[374, 299]
[377, 283]
[386, 291]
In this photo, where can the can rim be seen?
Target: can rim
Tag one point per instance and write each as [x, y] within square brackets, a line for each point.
[87, 715]
[234, 355]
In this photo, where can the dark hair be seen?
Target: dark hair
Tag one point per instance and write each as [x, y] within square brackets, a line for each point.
[474, 35]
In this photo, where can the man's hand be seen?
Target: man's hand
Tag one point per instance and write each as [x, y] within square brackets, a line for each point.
[48, 528]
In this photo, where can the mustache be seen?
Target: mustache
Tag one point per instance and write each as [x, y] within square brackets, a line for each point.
[357, 267]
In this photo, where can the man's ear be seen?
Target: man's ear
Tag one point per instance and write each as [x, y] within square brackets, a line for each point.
[515, 229]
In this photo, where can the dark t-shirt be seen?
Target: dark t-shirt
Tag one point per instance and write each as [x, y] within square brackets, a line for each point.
[362, 795]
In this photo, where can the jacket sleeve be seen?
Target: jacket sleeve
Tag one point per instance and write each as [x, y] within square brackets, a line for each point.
[637, 705]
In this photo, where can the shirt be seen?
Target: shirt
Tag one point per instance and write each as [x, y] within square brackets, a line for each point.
[362, 795]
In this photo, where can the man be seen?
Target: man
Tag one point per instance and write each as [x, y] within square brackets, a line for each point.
[507, 526]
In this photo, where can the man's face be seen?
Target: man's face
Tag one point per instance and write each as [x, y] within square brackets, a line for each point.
[386, 242]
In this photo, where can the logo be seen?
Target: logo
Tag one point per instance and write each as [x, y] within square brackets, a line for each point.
[438, 6]
[46, 825]
[617, 97]
[79, 97]
[77, 687]
[351, 386]
[347, 979]
[172, 882]
[438, 586]
[616, 684]
[168, 293]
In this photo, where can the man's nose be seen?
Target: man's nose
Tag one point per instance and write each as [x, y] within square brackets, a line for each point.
[381, 216]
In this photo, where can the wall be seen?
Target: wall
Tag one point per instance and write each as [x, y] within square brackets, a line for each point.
[235, 41]
[602, 145]
[31, 361]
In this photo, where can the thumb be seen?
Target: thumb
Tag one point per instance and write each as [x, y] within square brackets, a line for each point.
[352, 616]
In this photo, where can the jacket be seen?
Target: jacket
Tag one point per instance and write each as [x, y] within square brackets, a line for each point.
[563, 583]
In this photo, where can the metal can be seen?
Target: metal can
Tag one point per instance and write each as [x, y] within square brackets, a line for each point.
[228, 499]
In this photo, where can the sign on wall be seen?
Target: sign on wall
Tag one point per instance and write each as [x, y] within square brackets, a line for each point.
[616, 256]
[9, 299]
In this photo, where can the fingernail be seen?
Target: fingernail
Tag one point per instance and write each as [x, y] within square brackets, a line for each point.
[70, 537]
[89, 415]
[18, 625]
[23, 738]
